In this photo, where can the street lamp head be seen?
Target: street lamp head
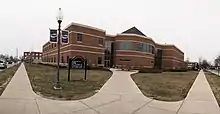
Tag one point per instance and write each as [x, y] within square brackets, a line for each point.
[59, 15]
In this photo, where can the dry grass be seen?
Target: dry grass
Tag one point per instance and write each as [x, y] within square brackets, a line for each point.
[214, 82]
[6, 75]
[43, 77]
[166, 86]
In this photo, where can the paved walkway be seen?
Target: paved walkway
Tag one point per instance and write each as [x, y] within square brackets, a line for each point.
[119, 95]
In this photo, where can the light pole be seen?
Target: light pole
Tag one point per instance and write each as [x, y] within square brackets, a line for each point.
[59, 20]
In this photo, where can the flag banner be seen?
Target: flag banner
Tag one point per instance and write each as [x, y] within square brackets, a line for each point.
[65, 37]
[53, 35]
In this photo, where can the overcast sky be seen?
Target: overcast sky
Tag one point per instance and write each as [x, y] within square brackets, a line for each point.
[192, 25]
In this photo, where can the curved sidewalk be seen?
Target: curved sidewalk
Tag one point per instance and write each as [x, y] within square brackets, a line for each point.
[119, 95]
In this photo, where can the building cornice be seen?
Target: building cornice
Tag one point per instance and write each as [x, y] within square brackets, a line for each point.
[82, 25]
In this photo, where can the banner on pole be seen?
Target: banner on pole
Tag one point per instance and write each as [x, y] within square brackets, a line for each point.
[65, 37]
[53, 35]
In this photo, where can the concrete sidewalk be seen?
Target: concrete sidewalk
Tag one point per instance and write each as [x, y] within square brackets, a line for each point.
[120, 95]
[200, 98]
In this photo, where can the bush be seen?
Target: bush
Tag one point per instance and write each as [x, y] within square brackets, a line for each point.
[175, 70]
[53, 65]
[150, 70]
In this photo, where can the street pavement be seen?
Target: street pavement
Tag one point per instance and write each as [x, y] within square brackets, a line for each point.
[119, 95]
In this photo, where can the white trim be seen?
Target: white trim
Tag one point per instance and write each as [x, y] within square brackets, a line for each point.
[109, 35]
[134, 56]
[172, 57]
[174, 60]
[88, 46]
[77, 51]
[174, 50]
[79, 41]
[85, 26]
[88, 34]
[76, 45]
[135, 51]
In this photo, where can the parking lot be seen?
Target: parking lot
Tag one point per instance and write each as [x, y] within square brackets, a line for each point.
[8, 66]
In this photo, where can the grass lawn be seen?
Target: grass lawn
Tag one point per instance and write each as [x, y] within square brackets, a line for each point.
[6, 75]
[214, 82]
[166, 86]
[42, 79]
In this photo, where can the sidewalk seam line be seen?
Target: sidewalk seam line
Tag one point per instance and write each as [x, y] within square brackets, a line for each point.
[142, 106]
[106, 103]
[90, 107]
[38, 108]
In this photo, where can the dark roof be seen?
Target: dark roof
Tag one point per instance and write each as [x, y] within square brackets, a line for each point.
[133, 30]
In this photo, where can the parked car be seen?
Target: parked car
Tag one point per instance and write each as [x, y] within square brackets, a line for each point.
[9, 62]
[3, 64]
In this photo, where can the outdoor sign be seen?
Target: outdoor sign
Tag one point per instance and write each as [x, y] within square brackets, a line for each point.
[53, 35]
[65, 37]
[77, 64]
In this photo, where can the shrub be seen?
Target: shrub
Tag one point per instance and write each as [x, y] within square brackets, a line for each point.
[53, 65]
[150, 70]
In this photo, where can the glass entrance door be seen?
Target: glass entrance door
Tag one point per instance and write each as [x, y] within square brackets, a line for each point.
[107, 63]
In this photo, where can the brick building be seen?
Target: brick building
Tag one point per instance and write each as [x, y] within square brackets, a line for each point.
[33, 55]
[130, 48]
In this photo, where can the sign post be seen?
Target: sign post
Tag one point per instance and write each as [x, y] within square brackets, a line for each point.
[218, 68]
[69, 67]
[85, 67]
[77, 63]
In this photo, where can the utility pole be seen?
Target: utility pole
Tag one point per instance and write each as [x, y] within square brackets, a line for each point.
[16, 53]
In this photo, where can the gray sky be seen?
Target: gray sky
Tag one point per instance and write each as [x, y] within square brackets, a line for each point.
[192, 25]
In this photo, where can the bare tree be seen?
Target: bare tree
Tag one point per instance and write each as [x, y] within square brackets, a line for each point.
[205, 64]
[217, 61]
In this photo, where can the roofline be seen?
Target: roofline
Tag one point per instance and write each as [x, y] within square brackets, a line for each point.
[46, 43]
[125, 34]
[110, 35]
[82, 25]
[170, 45]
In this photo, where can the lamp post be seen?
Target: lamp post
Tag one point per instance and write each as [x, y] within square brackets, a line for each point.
[59, 20]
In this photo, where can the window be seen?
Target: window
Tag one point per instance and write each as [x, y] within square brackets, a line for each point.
[67, 59]
[54, 59]
[152, 49]
[79, 37]
[125, 45]
[99, 60]
[101, 41]
[55, 45]
[139, 46]
[151, 62]
[52, 46]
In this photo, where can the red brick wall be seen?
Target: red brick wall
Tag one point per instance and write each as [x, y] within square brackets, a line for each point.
[137, 59]
[89, 48]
